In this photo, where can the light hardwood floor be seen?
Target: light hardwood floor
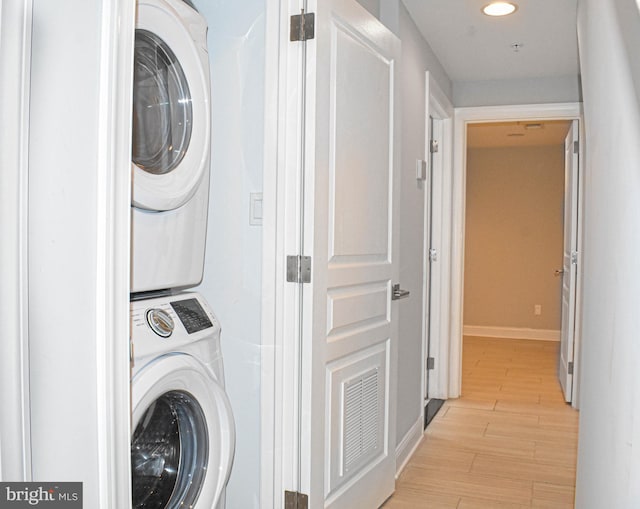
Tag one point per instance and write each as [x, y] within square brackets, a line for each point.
[509, 442]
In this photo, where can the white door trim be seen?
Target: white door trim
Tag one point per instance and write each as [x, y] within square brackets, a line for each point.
[464, 116]
[439, 107]
[113, 200]
[98, 370]
[281, 229]
[15, 67]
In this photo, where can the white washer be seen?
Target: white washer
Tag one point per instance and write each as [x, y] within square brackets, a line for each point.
[183, 431]
[171, 146]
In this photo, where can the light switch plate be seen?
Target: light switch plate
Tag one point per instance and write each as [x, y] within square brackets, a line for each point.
[255, 212]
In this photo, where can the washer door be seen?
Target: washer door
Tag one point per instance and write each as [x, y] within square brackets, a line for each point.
[183, 435]
[171, 118]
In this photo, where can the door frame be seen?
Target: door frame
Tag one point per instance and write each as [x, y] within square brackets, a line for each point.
[15, 63]
[280, 360]
[440, 108]
[471, 115]
[106, 351]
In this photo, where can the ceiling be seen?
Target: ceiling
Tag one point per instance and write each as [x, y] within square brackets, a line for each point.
[473, 47]
[517, 134]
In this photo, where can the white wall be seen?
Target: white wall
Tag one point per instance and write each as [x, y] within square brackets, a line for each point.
[557, 89]
[232, 281]
[609, 446]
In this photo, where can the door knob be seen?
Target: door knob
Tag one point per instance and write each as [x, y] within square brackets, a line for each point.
[559, 271]
[398, 293]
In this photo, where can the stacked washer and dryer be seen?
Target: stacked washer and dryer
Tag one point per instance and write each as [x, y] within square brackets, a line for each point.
[183, 432]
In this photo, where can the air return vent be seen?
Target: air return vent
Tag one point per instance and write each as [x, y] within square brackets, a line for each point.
[362, 419]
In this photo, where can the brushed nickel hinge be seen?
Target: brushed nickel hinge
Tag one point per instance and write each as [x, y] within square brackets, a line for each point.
[570, 368]
[295, 500]
[574, 258]
[302, 26]
[298, 269]
[576, 147]
[431, 362]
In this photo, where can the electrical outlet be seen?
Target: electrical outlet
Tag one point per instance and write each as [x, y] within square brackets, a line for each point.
[537, 309]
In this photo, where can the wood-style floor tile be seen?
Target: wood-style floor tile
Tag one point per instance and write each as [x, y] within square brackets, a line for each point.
[509, 442]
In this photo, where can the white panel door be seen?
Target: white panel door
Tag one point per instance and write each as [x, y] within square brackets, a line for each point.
[349, 324]
[569, 263]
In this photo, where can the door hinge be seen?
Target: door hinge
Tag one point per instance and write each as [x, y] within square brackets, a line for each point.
[433, 255]
[431, 363]
[574, 258]
[570, 368]
[576, 147]
[434, 146]
[298, 269]
[302, 26]
[295, 500]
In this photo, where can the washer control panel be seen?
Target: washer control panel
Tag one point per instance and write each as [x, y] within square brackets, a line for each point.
[191, 314]
[176, 318]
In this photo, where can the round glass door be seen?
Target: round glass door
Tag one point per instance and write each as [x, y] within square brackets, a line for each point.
[162, 110]
[169, 453]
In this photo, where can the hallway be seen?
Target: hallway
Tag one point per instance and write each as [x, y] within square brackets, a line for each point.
[509, 442]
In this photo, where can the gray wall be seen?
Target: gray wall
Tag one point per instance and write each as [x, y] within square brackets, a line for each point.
[609, 445]
[373, 6]
[417, 58]
[233, 280]
[557, 89]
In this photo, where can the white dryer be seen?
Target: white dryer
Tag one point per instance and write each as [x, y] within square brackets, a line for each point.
[171, 146]
[183, 432]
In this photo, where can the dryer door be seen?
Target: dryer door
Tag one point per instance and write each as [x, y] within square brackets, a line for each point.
[183, 435]
[171, 118]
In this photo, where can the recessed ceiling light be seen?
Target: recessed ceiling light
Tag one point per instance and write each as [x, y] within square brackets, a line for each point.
[499, 8]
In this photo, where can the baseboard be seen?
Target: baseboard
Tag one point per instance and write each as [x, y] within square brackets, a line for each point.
[408, 445]
[511, 333]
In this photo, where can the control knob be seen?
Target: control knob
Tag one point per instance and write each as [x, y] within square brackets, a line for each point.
[160, 322]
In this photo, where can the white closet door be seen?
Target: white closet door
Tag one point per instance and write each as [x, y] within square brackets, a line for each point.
[349, 320]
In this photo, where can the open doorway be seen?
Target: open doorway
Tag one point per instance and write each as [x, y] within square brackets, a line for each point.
[513, 271]
[465, 117]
